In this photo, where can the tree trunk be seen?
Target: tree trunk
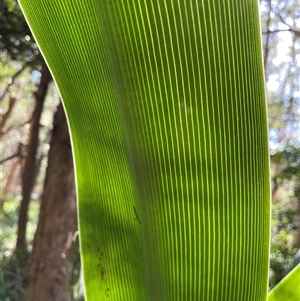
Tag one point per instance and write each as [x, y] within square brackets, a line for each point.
[50, 269]
[10, 178]
[28, 175]
[6, 115]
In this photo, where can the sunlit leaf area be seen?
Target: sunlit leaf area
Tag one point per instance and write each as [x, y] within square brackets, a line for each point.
[32, 117]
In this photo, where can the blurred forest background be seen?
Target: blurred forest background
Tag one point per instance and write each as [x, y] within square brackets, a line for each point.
[38, 202]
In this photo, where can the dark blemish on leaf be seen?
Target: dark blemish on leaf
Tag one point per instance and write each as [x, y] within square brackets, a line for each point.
[136, 216]
[102, 271]
[100, 253]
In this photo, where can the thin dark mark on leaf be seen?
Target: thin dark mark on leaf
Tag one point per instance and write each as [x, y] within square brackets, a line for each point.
[102, 271]
[100, 255]
[136, 216]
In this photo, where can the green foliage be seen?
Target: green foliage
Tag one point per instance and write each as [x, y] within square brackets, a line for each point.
[288, 288]
[289, 159]
[16, 38]
[11, 285]
[13, 266]
[285, 218]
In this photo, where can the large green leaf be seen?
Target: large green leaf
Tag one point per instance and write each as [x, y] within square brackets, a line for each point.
[166, 106]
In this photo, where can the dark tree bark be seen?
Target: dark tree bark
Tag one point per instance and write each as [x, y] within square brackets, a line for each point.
[6, 115]
[50, 269]
[29, 172]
